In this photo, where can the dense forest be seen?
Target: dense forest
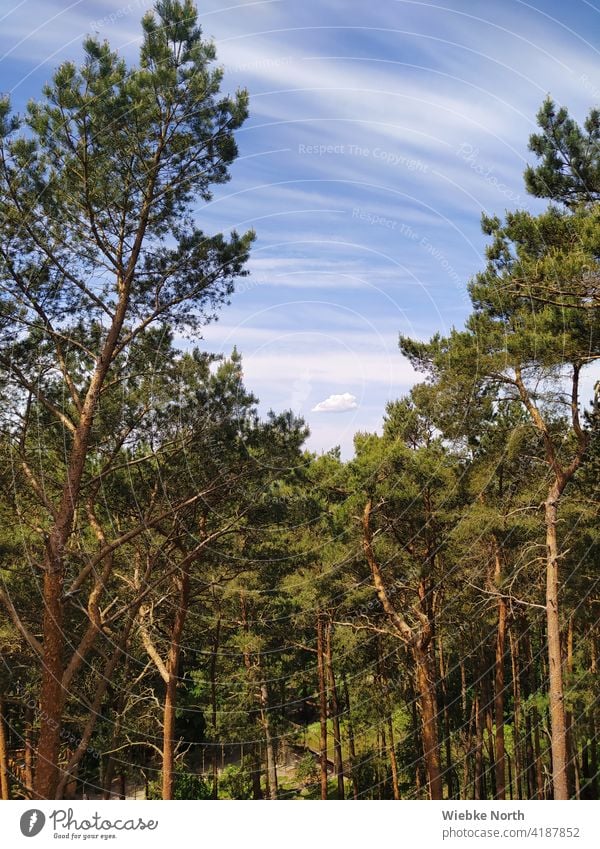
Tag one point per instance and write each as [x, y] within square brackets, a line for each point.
[192, 605]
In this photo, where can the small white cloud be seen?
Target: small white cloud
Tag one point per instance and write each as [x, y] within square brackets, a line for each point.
[336, 404]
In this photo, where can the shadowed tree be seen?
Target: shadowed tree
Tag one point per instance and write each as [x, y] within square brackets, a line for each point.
[96, 195]
[515, 348]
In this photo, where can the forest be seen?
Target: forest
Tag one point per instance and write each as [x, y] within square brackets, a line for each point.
[192, 604]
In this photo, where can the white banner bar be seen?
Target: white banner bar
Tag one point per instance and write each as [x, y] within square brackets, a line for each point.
[301, 824]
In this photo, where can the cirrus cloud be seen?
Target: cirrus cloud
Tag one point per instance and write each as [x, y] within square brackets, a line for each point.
[337, 404]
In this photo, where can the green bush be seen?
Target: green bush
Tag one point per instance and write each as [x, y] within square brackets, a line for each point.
[188, 785]
[307, 771]
[235, 782]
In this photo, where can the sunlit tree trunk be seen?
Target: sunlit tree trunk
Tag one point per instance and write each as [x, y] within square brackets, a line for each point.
[4, 770]
[556, 693]
[419, 640]
[425, 672]
[500, 765]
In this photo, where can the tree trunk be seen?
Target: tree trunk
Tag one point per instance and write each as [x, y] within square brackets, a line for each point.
[562, 476]
[168, 755]
[463, 691]
[594, 760]
[489, 725]
[449, 770]
[539, 773]
[467, 738]
[510, 776]
[255, 758]
[256, 773]
[387, 709]
[51, 693]
[115, 738]
[105, 679]
[393, 761]
[500, 765]
[516, 679]
[168, 778]
[29, 749]
[572, 762]
[351, 746]
[335, 715]
[478, 783]
[591, 748]
[213, 702]
[556, 694]
[322, 705]
[270, 746]
[531, 753]
[529, 758]
[109, 765]
[4, 770]
[427, 701]
[421, 647]
[417, 735]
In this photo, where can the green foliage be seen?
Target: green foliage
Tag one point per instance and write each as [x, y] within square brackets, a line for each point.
[187, 786]
[569, 168]
[236, 781]
[188, 504]
[307, 771]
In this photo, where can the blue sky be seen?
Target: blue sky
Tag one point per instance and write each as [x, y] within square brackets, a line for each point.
[378, 135]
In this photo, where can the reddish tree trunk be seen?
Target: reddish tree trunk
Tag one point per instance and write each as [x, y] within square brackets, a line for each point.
[592, 747]
[335, 716]
[572, 754]
[500, 764]
[172, 665]
[51, 694]
[478, 783]
[426, 686]
[322, 705]
[556, 694]
[419, 640]
[29, 750]
[4, 770]
[168, 756]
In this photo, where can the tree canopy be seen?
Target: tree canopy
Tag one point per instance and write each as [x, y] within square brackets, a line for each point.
[192, 604]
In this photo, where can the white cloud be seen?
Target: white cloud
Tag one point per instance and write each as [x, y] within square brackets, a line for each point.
[337, 404]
